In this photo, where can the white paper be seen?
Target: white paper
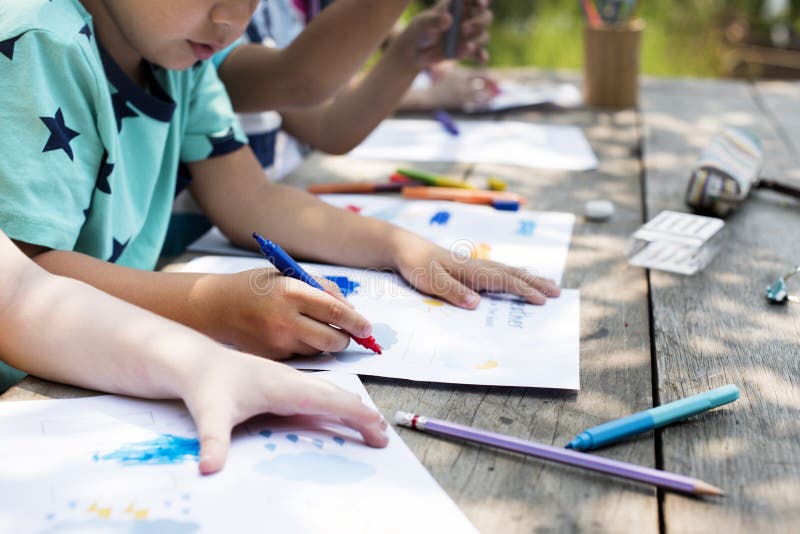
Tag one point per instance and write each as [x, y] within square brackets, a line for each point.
[515, 95]
[538, 241]
[63, 468]
[504, 342]
[539, 146]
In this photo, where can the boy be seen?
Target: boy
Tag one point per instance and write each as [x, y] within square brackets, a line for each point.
[87, 177]
[62, 330]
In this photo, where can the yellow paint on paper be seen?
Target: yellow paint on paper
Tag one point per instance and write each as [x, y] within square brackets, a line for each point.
[433, 302]
[481, 251]
[490, 364]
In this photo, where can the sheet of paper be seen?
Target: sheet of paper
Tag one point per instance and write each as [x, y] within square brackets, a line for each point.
[113, 464]
[515, 95]
[538, 241]
[538, 146]
[504, 342]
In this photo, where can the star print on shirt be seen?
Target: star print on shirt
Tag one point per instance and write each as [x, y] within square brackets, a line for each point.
[121, 109]
[60, 135]
[119, 248]
[87, 31]
[7, 47]
[224, 144]
[103, 173]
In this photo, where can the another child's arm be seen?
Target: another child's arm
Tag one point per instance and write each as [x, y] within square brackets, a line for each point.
[452, 87]
[342, 123]
[63, 330]
[316, 64]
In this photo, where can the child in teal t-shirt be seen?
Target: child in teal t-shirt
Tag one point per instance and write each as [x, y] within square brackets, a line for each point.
[100, 101]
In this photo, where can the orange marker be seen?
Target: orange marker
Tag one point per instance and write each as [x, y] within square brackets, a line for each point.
[500, 200]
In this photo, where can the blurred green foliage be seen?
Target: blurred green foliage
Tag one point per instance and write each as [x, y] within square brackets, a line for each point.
[682, 37]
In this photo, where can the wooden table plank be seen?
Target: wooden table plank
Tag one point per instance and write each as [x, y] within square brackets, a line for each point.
[716, 327]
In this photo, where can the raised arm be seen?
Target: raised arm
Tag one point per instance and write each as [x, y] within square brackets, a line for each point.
[315, 65]
[342, 123]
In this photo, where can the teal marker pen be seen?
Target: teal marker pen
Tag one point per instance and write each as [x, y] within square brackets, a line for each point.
[637, 423]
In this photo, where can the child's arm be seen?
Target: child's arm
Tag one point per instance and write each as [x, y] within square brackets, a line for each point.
[316, 64]
[341, 124]
[63, 330]
[313, 230]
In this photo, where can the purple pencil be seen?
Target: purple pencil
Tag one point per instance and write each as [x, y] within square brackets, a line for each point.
[565, 456]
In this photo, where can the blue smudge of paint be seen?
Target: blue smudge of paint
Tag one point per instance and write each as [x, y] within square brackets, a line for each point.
[347, 286]
[318, 443]
[165, 449]
[266, 433]
[292, 437]
[72, 504]
[526, 228]
[316, 467]
[440, 218]
[50, 517]
[270, 446]
[338, 440]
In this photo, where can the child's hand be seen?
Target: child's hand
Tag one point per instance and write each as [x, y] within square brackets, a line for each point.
[422, 42]
[228, 387]
[456, 277]
[264, 313]
[459, 88]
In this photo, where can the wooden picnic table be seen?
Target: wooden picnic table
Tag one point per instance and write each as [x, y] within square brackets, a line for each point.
[647, 338]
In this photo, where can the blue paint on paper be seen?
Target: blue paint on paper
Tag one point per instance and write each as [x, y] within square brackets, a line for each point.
[270, 446]
[440, 218]
[266, 433]
[165, 449]
[316, 467]
[526, 228]
[318, 443]
[131, 526]
[292, 437]
[346, 286]
[339, 441]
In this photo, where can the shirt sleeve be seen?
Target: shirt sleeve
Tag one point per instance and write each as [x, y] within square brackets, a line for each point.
[50, 149]
[211, 128]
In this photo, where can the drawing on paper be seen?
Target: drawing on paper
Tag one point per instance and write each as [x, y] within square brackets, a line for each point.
[165, 449]
[440, 218]
[526, 228]
[303, 458]
[346, 285]
[99, 516]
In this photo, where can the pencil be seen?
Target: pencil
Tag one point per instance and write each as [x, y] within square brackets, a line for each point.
[591, 462]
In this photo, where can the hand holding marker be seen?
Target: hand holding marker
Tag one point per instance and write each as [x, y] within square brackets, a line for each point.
[288, 267]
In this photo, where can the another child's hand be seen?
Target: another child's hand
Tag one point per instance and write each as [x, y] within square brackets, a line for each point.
[459, 88]
[423, 39]
[456, 277]
[228, 387]
[264, 313]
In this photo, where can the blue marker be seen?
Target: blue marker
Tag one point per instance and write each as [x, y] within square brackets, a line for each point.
[288, 267]
[653, 418]
[446, 121]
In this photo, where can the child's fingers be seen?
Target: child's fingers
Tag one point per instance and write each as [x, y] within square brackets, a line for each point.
[214, 430]
[520, 282]
[442, 284]
[330, 311]
[333, 289]
[349, 408]
[319, 336]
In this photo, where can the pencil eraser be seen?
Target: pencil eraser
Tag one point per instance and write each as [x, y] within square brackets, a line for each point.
[598, 210]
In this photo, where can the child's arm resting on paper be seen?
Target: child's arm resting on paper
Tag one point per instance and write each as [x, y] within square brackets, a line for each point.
[313, 230]
[63, 330]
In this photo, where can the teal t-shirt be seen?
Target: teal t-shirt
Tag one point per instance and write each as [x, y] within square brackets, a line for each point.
[88, 158]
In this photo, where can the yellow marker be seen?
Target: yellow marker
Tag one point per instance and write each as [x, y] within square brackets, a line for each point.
[434, 180]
